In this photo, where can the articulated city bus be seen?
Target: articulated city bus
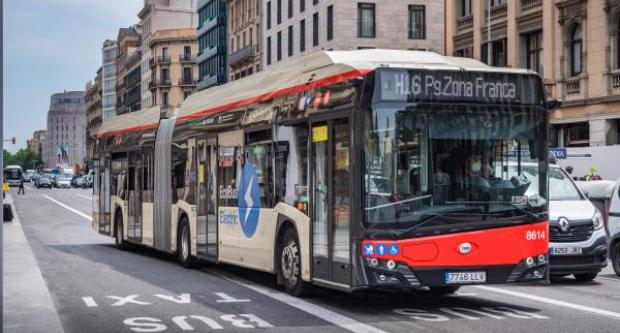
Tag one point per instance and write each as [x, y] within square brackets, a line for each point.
[346, 169]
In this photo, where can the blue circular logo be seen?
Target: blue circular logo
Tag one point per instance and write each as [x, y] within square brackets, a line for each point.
[249, 200]
[393, 249]
[381, 248]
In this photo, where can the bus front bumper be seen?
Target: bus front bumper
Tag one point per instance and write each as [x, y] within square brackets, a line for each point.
[515, 254]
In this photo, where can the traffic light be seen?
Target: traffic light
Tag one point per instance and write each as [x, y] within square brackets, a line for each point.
[13, 140]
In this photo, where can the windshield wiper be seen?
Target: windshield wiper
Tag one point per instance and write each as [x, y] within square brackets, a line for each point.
[533, 216]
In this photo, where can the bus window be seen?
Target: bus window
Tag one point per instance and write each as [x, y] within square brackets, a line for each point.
[227, 162]
[258, 153]
[179, 161]
[118, 182]
[147, 177]
[291, 166]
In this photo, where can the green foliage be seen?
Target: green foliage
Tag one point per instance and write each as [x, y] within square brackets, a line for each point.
[25, 158]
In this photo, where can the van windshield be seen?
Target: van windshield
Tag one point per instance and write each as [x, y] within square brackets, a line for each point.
[561, 188]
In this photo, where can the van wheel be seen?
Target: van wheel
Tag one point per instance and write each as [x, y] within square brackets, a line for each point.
[585, 277]
[184, 244]
[118, 237]
[289, 264]
[447, 290]
[615, 258]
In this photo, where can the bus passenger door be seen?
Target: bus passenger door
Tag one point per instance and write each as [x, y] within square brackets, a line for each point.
[134, 228]
[330, 165]
[206, 223]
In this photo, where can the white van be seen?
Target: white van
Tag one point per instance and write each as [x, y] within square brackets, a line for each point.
[577, 238]
[613, 227]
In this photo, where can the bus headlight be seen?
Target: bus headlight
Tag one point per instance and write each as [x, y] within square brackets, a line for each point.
[597, 220]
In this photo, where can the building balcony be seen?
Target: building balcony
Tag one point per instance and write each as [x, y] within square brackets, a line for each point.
[187, 82]
[464, 23]
[210, 81]
[152, 62]
[210, 24]
[244, 55]
[498, 12]
[572, 87]
[154, 84]
[184, 58]
[163, 60]
[209, 53]
[614, 78]
[530, 4]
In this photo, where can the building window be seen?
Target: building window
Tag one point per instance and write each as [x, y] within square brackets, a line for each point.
[466, 52]
[576, 45]
[417, 22]
[164, 98]
[279, 46]
[315, 29]
[302, 5]
[534, 51]
[498, 53]
[302, 36]
[465, 9]
[330, 22]
[165, 75]
[268, 15]
[290, 40]
[268, 50]
[315, 2]
[290, 8]
[186, 94]
[279, 12]
[366, 20]
[577, 134]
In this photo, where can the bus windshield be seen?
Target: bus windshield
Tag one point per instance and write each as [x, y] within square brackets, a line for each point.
[12, 173]
[423, 161]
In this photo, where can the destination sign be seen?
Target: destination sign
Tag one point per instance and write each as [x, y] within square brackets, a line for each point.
[457, 86]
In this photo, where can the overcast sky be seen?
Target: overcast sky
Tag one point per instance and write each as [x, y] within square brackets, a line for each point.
[51, 46]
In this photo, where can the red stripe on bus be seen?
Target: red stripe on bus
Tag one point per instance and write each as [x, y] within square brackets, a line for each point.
[277, 93]
[500, 246]
[260, 98]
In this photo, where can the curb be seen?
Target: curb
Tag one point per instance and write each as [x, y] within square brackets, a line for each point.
[28, 305]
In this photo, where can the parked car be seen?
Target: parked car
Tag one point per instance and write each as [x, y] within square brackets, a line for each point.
[613, 226]
[63, 181]
[577, 238]
[44, 181]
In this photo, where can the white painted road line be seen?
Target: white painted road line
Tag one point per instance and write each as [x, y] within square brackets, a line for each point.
[601, 312]
[86, 216]
[337, 319]
[84, 196]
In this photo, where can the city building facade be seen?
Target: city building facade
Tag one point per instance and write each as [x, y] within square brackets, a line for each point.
[108, 80]
[212, 49]
[244, 34]
[66, 131]
[295, 27]
[158, 15]
[573, 44]
[128, 93]
[36, 143]
[173, 67]
[92, 101]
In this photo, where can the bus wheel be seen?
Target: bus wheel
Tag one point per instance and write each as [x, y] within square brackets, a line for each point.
[290, 264]
[118, 237]
[184, 244]
[447, 290]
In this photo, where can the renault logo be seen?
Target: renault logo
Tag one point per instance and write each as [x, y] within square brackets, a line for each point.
[564, 224]
[465, 248]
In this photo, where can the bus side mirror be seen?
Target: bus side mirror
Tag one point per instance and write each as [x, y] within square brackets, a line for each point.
[553, 104]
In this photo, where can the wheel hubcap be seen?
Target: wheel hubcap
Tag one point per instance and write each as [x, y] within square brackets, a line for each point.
[290, 262]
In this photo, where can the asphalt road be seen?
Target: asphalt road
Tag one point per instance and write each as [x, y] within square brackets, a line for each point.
[97, 288]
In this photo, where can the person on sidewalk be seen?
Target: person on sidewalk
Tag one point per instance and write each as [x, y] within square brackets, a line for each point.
[21, 187]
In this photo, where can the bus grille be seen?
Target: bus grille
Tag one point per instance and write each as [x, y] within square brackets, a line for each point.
[577, 233]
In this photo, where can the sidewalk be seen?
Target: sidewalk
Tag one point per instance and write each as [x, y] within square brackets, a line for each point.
[28, 305]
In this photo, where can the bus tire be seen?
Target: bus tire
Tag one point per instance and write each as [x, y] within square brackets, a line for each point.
[184, 252]
[121, 244]
[289, 263]
[444, 290]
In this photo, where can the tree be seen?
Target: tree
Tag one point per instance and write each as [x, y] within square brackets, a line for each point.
[25, 158]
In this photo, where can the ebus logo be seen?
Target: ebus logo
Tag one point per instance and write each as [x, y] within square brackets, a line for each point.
[249, 200]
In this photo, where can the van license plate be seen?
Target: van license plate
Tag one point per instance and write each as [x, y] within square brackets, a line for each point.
[466, 277]
[565, 250]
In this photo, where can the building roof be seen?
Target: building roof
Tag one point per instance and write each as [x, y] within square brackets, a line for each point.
[301, 74]
[173, 34]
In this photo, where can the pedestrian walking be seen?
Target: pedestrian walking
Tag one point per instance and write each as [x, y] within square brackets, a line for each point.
[21, 187]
